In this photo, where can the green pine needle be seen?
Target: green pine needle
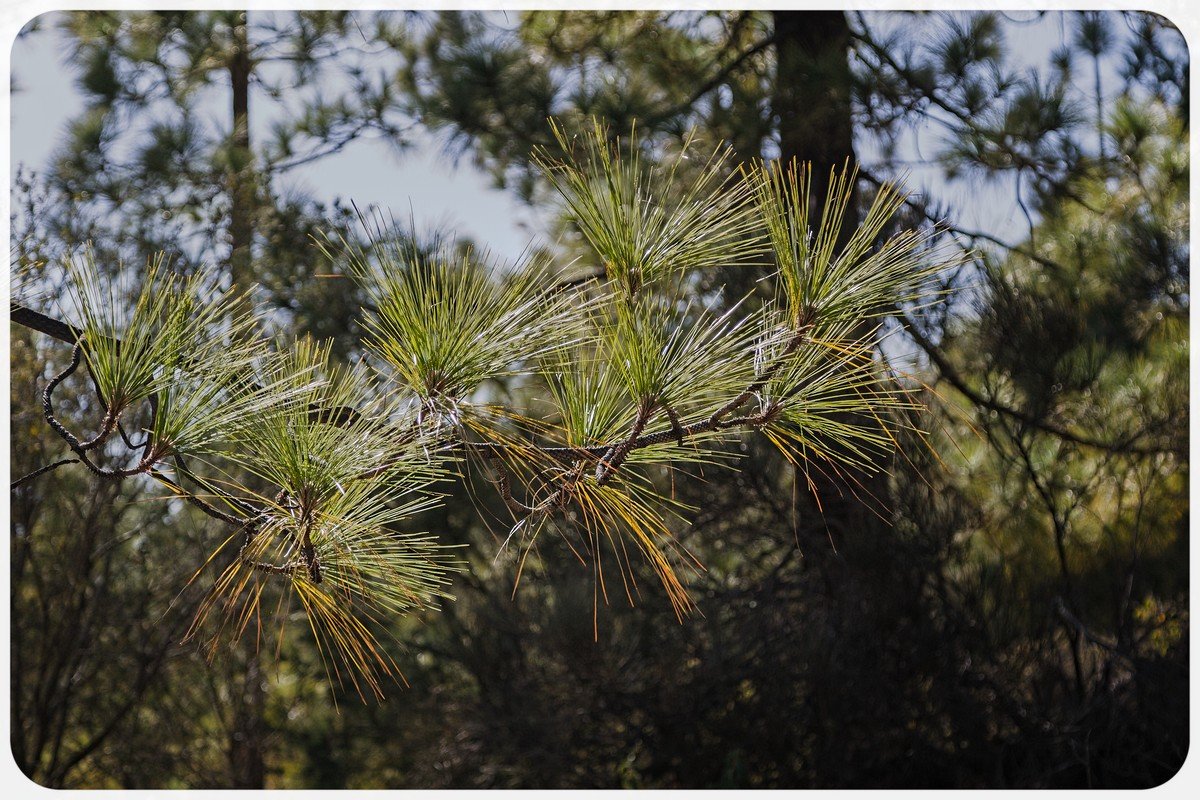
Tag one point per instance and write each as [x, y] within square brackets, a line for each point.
[648, 222]
[447, 322]
[862, 279]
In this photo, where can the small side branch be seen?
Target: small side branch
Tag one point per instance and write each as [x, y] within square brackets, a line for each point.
[797, 338]
[48, 401]
[42, 471]
[615, 457]
[676, 424]
[195, 500]
[81, 448]
[250, 526]
[248, 510]
[504, 484]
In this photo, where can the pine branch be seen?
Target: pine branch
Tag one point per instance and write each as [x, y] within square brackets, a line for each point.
[343, 415]
[717, 79]
[948, 372]
[42, 471]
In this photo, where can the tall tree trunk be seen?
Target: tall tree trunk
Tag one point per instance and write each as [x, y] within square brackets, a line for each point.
[241, 167]
[864, 578]
[812, 96]
[247, 739]
[812, 106]
[246, 746]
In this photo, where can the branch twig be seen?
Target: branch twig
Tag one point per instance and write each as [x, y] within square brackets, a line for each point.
[42, 471]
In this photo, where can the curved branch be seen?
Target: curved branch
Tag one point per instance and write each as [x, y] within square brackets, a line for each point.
[504, 484]
[196, 500]
[952, 376]
[251, 528]
[79, 448]
[42, 471]
[617, 454]
[48, 401]
[718, 78]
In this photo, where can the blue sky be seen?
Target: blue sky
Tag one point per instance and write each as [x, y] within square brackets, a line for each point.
[460, 197]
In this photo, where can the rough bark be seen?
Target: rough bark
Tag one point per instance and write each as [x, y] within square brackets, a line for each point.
[241, 159]
[247, 743]
[812, 107]
[812, 95]
[246, 746]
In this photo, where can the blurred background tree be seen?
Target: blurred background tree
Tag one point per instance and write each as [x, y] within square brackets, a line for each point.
[161, 159]
[190, 122]
[1005, 609]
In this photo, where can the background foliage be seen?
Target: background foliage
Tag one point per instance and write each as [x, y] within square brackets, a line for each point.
[1006, 608]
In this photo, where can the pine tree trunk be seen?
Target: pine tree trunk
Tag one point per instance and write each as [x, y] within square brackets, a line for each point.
[812, 104]
[246, 741]
[246, 746]
[241, 171]
[812, 96]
